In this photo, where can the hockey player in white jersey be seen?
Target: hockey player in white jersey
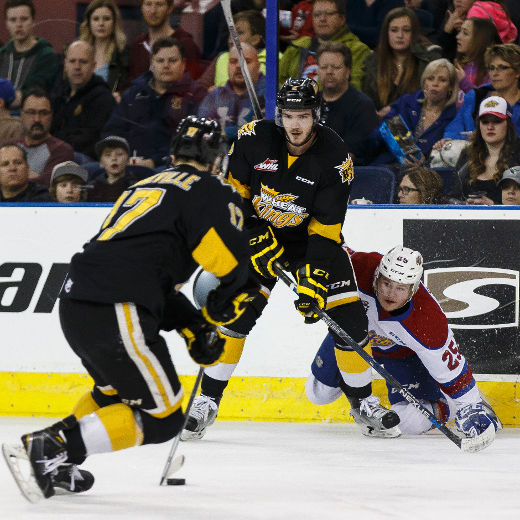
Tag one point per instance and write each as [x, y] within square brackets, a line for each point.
[411, 338]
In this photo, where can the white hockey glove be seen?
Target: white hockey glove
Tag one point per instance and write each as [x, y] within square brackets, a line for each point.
[473, 420]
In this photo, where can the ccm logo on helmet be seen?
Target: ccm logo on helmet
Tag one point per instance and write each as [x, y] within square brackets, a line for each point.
[476, 297]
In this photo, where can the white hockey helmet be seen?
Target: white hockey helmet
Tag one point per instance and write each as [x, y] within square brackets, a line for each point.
[402, 265]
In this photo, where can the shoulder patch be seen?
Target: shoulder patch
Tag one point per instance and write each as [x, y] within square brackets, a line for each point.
[247, 129]
[346, 170]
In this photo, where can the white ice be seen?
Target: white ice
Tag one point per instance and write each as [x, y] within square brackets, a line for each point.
[266, 471]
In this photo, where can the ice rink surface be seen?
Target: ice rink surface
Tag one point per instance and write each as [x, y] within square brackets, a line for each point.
[289, 471]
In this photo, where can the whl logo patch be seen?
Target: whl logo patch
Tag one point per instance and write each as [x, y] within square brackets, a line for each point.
[269, 165]
[476, 297]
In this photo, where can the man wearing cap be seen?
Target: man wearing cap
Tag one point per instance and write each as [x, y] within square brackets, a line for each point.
[10, 126]
[510, 186]
[68, 182]
[113, 153]
[44, 151]
[14, 177]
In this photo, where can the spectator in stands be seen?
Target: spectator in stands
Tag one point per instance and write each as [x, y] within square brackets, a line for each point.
[349, 112]
[250, 27]
[495, 10]
[421, 185]
[83, 102]
[151, 109]
[43, 150]
[102, 28]
[510, 186]
[328, 19]
[426, 112]
[113, 153]
[156, 14]
[27, 61]
[399, 61]
[503, 64]
[493, 148]
[474, 37]
[301, 22]
[365, 18]
[446, 37]
[68, 182]
[230, 105]
[10, 126]
[14, 177]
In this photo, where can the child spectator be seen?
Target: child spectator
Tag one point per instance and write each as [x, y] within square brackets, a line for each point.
[26, 60]
[68, 182]
[10, 126]
[113, 153]
[510, 186]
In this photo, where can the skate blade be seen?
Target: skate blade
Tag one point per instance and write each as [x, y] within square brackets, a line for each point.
[389, 433]
[187, 435]
[13, 455]
[474, 444]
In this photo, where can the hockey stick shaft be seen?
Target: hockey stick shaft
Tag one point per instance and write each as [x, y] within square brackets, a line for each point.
[177, 438]
[373, 363]
[226, 7]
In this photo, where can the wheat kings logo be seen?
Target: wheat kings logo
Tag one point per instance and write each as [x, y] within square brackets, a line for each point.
[247, 129]
[476, 297]
[346, 170]
[278, 209]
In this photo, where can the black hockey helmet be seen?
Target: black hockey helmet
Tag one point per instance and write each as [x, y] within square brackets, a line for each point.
[200, 139]
[298, 94]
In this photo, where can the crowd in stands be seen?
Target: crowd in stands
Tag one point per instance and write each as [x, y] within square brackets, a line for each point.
[83, 124]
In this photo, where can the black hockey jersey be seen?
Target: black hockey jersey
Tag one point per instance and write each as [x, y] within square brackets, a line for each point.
[304, 199]
[157, 232]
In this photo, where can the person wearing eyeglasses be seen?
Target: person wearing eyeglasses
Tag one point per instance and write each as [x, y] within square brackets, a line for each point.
[421, 185]
[503, 65]
[44, 151]
[328, 19]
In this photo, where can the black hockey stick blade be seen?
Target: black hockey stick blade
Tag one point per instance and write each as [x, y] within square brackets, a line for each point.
[469, 445]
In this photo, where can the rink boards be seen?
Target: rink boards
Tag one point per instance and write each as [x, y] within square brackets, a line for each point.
[39, 375]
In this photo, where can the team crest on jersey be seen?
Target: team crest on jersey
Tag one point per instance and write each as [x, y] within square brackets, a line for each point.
[346, 170]
[269, 165]
[247, 129]
[278, 208]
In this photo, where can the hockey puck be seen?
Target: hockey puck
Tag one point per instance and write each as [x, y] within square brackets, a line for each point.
[176, 481]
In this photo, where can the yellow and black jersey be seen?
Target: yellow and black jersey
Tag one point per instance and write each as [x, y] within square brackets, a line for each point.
[154, 237]
[303, 198]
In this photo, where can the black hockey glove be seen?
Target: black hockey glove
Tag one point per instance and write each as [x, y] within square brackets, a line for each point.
[264, 248]
[224, 312]
[204, 341]
[312, 289]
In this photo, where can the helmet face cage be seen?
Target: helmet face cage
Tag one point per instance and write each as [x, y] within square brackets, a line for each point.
[298, 94]
[401, 265]
[198, 138]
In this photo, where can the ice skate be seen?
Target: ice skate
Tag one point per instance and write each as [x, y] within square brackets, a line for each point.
[71, 479]
[376, 420]
[202, 414]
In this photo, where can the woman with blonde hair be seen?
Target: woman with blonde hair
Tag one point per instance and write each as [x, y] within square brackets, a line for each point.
[399, 61]
[421, 185]
[102, 28]
[426, 112]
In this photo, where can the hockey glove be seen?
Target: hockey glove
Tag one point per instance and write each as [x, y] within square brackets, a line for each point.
[473, 420]
[224, 312]
[204, 341]
[312, 289]
[264, 249]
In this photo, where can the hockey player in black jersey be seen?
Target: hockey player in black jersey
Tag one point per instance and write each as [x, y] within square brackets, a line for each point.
[294, 175]
[121, 290]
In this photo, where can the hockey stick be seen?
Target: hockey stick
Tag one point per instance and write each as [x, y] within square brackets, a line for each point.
[471, 444]
[226, 7]
[173, 465]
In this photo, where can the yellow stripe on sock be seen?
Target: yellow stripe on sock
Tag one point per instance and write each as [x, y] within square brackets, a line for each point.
[351, 362]
[85, 405]
[232, 350]
[120, 425]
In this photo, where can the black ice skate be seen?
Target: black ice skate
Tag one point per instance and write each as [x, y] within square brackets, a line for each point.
[71, 479]
[202, 414]
[376, 420]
